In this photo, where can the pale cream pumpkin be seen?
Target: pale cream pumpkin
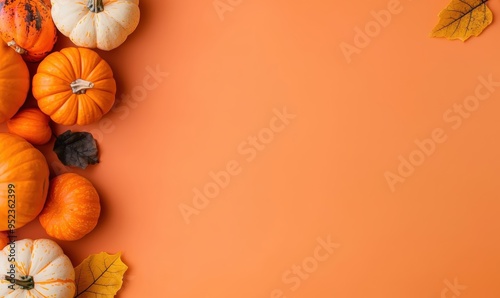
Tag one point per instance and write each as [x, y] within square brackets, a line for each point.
[36, 268]
[102, 24]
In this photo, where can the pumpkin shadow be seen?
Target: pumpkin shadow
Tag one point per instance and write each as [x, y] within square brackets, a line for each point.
[145, 22]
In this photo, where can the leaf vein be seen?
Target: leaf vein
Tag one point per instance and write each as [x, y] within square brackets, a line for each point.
[95, 280]
[472, 9]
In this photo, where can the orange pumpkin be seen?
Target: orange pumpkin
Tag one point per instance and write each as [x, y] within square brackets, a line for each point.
[74, 86]
[27, 27]
[32, 125]
[24, 181]
[72, 208]
[14, 82]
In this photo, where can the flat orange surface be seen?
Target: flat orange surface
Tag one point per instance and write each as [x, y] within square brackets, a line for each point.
[248, 158]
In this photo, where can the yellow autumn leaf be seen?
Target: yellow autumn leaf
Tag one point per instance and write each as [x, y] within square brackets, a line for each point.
[463, 19]
[99, 275]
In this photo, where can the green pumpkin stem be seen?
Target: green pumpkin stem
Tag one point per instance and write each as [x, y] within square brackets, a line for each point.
[95, 6]
[80, 86]
[26, 282]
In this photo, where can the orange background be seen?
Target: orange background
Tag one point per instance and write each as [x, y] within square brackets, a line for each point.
[322, 176]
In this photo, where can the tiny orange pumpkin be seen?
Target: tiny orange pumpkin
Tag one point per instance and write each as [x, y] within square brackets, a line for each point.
[72, 209]
[74, 86]
[32, 125]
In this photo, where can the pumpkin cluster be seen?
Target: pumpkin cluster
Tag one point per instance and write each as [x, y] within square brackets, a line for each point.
[72, 86]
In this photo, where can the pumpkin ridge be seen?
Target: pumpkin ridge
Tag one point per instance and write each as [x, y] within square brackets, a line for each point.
[23, 151]
[102, 71]
[53, 102]
[45, 267]
[24, 180]
[55, 72]
[101, 90]
[68, 103]
[78, 107]
[110, 16]
[32, 16]
[49, 80]
[89, 17]
[8, 65]
[6, 82]
[71, 230]
[41, 295]
[9, 171]
[103, 86]
[51, 281]
[59, 65]
[78, 63]
[94, 102]
[40, 43]
[131, 9]
[84, 62]
[28, 270]
[75, 63]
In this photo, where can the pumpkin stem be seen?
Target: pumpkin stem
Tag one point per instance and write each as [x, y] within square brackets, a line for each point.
[80, 86]
[95, 6]
[16, 47]
[26, 282]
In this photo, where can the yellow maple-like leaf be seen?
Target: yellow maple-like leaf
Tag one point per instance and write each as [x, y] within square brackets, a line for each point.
[463, 19]
[99, 275]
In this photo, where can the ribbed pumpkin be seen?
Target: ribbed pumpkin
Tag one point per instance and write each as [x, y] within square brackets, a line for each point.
[24, 181]
[14, 82]
[27, 27]
[41, 270]
[73, 207]
[74, 86]
[32, 125]
[102, 24]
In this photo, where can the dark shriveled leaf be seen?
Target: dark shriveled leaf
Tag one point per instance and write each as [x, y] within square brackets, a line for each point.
[77, 149]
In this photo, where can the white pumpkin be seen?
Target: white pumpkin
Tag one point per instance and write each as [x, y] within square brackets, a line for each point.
[36, 268]
[102, 24]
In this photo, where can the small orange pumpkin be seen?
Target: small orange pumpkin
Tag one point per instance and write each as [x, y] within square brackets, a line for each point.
[14, 82]
[32, 125]
[74, 86]
[24, 181]
[27, 27]
[72, 209]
